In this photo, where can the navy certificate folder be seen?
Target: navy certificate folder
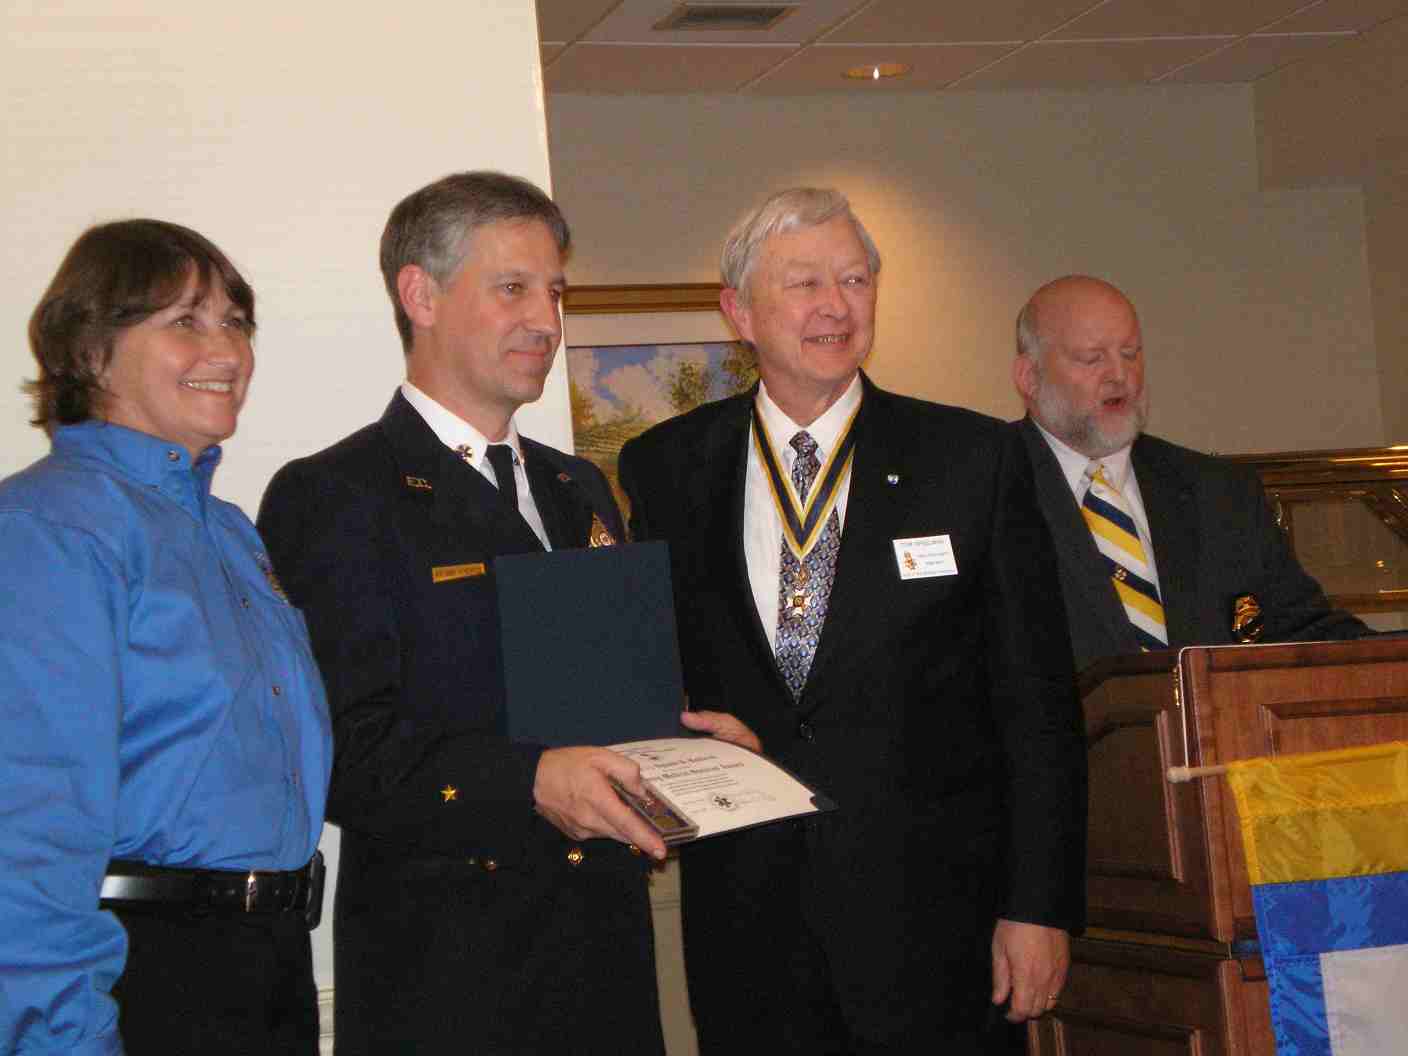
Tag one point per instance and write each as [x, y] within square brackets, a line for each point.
[589, 648]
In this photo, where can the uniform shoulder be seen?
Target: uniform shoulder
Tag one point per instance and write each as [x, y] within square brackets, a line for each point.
[682, 432]
[919, 417]
[354, 458]
[61, 490]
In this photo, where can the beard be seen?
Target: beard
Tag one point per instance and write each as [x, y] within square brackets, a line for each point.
[1083, 431]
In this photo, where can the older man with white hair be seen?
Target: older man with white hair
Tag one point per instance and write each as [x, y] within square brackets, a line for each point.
[864, 580]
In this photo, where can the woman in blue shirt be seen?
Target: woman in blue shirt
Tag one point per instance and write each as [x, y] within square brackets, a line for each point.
[164, 737]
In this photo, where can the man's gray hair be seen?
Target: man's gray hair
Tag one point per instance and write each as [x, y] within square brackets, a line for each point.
[431, 227]
[785, 211]
[1028, 332]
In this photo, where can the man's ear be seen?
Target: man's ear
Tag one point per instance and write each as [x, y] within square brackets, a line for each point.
[419, 294]
[1026, 376]
[736, 312]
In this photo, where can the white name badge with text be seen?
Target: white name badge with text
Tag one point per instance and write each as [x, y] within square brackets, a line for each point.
[925, 557]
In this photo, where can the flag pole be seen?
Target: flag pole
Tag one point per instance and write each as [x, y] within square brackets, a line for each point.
[1179, 775]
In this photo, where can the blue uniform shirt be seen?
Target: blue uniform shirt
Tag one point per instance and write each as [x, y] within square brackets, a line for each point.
[159, 701]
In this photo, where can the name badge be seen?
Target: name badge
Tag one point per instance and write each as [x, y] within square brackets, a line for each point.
[925, 557]
[445, 573]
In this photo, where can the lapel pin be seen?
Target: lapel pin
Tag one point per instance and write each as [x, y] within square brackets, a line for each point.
[892, 479]
[564, 478]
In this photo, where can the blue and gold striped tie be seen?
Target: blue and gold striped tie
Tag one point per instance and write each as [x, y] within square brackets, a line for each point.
[1117, 539]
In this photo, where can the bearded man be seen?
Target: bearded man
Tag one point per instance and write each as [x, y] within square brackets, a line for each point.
[1156, 543]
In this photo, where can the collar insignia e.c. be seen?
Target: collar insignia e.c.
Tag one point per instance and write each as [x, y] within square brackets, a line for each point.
[419, 483]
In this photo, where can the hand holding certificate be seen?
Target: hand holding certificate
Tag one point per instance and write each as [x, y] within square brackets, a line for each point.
[703, 787]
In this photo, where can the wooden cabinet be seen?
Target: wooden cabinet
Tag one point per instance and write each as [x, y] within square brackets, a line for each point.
[1169, 901]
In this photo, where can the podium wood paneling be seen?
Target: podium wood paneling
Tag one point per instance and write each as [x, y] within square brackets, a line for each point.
[1168, 858]
[1147, 999]
[1157, 974]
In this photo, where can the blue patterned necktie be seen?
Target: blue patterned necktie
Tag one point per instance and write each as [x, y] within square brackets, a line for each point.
[804, 587]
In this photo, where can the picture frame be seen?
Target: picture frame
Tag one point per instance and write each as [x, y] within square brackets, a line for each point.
[638, 354]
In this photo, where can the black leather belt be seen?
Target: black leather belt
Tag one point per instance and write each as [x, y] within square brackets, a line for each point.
[268, 893]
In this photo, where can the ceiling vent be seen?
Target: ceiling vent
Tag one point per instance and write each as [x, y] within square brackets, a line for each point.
[725, 18]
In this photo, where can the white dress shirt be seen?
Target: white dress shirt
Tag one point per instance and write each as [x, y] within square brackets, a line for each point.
[1119, 471]
[454, 431]
[762, 524]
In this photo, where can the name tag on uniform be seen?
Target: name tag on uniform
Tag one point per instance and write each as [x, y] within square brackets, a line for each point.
[445, 573]
[925, 557]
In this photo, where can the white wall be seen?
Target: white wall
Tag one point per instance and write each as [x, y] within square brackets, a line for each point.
[285, 132]
[1255, 304]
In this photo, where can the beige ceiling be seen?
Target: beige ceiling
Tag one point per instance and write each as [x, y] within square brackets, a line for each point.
[610, 46]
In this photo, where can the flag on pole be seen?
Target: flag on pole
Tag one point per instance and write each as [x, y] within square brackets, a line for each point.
[1326, 838]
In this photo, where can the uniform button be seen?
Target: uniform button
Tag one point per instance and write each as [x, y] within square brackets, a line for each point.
[575, 856]
[278, 691]
[244, 602]
[490, 864]
[806, 731]
[172, 456]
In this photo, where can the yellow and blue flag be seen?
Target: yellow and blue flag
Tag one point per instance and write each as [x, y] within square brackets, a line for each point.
[1326, 838]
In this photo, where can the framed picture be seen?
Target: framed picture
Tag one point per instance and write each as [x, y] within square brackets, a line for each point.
[637, 355]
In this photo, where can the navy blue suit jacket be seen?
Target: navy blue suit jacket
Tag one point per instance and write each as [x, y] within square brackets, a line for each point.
[1214, 539]
[460, 922]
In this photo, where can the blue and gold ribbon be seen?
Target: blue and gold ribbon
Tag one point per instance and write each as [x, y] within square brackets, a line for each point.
[802, 522]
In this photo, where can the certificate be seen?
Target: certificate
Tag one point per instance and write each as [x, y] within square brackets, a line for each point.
[715, 787]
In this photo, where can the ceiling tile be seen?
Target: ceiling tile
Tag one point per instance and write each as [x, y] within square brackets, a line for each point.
[564, 20]
[633, 21]
[820, 68]
[1332, 15]
[1082, 64]
[933, 22]
[1184, 18]
[1251, 58]
[623, 69]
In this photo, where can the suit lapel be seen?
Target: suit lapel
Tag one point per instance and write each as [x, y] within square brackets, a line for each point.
[1173, 525]
[436, 478]
[874, 508]
[1084, 570]
[567, 516]
[718, 507]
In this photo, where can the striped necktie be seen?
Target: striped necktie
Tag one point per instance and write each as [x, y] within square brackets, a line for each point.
[1117, 539]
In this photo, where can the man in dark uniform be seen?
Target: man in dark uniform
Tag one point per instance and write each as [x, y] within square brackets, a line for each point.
[473, 912]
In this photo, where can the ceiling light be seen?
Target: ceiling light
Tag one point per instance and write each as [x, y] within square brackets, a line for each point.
[877, 71]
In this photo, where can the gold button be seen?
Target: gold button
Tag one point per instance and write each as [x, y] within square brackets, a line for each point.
[490, 865]
[575, 856]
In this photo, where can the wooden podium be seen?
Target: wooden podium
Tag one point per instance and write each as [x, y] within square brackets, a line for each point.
[1168, 964]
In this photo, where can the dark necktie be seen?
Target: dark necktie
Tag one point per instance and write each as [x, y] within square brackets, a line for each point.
[501, 458]
[804, 586]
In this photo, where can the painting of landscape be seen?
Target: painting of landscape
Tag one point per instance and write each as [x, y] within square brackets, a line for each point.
[619, 391]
